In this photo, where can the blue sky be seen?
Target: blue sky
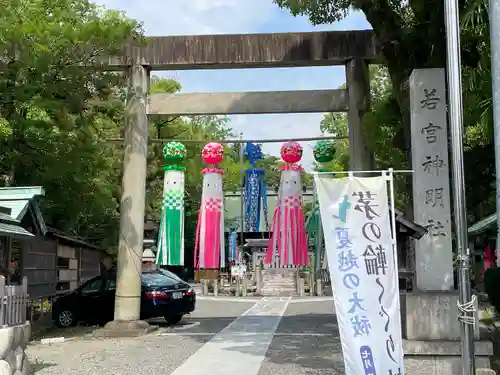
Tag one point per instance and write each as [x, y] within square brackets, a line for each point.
[194, 17]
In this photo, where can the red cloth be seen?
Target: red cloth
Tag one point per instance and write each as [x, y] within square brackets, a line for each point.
[489, 258]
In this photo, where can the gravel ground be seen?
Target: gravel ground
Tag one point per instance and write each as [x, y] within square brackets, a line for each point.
[154, 355]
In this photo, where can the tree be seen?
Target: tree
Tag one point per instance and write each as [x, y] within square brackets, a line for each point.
[382, 125]
[411, 35]
[57, 107]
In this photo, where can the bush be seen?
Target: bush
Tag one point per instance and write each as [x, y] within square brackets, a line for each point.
[492, 287]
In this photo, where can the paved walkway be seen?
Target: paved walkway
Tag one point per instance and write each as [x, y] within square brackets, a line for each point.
[227, 354]
[270, 336]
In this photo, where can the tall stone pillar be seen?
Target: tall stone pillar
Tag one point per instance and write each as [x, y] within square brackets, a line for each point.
[431, 180]
[132, 208]
[358, 87]
[429, 314]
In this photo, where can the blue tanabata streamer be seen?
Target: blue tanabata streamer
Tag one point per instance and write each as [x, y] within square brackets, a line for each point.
[255, 191]
[253, 153]
[232, 246]
[255, 195]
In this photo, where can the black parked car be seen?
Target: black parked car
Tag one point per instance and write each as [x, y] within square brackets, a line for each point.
[163, 295]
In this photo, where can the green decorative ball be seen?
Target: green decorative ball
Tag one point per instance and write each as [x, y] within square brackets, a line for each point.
[174, 152]
[324, 151]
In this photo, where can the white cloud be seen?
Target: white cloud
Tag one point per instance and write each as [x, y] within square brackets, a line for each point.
[283, 126]
[181, 17]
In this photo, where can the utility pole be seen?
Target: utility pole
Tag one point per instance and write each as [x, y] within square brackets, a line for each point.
[454, 75]
[494, 12]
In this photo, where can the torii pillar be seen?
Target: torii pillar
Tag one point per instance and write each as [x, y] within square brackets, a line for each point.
[132, 209]
[358, 87]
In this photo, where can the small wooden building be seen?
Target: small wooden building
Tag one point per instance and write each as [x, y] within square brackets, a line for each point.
[10, 230]
[53, 261]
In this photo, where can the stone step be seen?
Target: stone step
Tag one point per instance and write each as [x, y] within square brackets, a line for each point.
[277, 286]
[280, 276]
[291, 280]
[281, 293]
[279, 283]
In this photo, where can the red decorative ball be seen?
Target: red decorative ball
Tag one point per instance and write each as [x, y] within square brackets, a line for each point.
[291, 152]
[212, 153]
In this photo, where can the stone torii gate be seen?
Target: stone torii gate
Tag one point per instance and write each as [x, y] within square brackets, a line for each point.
[353, 49]
[431, 335]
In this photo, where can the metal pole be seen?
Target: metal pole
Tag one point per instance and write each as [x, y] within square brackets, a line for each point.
[242, 198]
[236, 141]
[454, 75]
[494, 12]
[319, 235]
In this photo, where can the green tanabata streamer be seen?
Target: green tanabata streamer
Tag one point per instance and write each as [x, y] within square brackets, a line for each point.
[171, 233]
[323, 152]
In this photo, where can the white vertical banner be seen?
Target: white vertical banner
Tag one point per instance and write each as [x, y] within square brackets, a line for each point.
[359, 247]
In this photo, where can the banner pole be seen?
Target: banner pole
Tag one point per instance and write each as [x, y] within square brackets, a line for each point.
[390, 173]
[352, 173]
[394, 237]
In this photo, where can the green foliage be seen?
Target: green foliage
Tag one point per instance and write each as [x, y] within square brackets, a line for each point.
[381, 126]
[412, 36]
[56, 108]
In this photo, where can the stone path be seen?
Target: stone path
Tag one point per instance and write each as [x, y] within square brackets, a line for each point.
[226, 354]
[269, 336]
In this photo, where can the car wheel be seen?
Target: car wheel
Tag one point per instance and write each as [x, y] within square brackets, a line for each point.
[173, 319]
[65, 318]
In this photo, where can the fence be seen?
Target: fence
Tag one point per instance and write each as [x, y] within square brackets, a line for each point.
[258, 258]
[14, 303]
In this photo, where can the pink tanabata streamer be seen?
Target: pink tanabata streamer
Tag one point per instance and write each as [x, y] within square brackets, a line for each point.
[288, 240]
[209, 244]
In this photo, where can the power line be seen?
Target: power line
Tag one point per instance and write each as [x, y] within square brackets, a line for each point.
[235, 141]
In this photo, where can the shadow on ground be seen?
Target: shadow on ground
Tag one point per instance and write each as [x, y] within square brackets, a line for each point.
[310, 340]
[303, 343]
[37, 366]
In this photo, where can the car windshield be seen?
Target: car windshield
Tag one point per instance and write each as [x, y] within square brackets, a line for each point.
[158, 279]
[171, 275]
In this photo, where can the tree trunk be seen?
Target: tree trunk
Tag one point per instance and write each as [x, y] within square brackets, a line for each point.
[405, 49]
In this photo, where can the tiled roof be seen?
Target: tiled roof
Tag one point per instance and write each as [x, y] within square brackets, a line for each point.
[13, 231]
[8, 218]
[482, 225]
[18, 208]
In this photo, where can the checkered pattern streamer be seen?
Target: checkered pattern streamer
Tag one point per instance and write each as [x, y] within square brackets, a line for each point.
[174, 200]
[171, 234]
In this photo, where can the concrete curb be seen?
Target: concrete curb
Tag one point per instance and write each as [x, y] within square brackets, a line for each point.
[52, 340]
